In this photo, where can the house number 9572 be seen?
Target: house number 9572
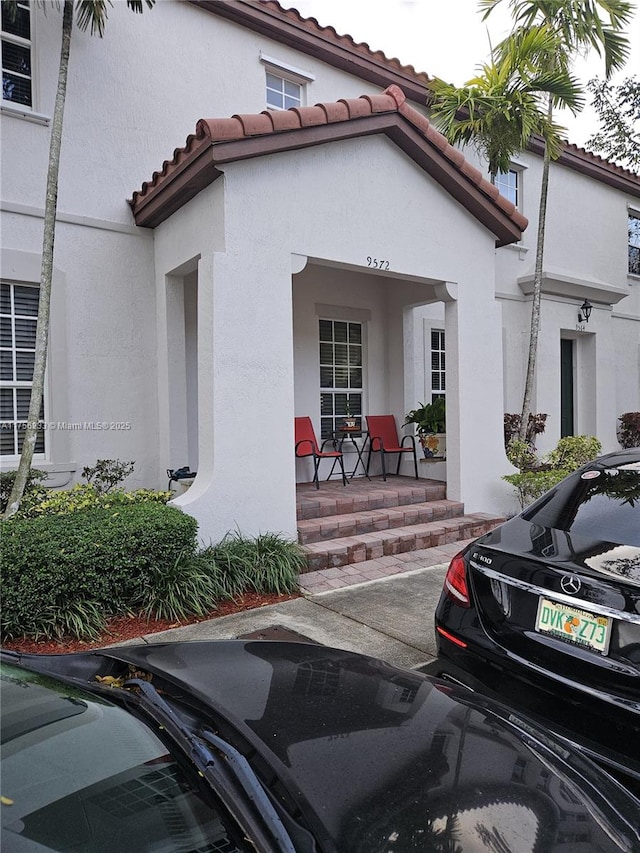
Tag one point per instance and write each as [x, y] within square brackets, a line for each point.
[377, 263]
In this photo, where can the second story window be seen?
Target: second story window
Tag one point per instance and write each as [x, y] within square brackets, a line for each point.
[634, 243]
[285, 84]
[509, 185]
[16, 54]
[282, 94]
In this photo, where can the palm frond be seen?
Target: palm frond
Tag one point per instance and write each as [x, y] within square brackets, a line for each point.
[92, 14]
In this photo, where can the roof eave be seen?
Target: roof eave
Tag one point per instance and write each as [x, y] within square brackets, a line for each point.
[201, 168]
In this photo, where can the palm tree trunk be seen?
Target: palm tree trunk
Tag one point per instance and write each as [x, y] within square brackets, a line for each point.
[46, 272]
[537, 293]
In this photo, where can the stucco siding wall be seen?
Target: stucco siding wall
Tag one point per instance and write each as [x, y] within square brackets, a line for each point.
[102, 343]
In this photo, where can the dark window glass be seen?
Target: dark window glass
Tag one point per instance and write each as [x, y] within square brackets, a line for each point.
[18, 24]
[605, 507]
[634, 244]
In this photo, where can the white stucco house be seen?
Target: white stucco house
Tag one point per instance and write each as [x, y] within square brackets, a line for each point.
[255, 219]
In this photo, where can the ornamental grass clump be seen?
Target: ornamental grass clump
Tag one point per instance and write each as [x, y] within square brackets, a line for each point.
[269, 563]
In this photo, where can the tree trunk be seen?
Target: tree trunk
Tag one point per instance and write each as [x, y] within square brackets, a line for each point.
[537, 294]
[46, 273]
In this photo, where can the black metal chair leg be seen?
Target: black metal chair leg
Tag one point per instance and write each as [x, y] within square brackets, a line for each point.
[316, 465]
[415, 462]
[384, 470]
[344, 476]
[398, 465]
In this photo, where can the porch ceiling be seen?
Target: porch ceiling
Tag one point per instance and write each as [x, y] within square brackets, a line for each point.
[220, 141]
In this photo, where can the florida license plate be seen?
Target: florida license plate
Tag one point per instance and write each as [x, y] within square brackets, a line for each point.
[574, 625]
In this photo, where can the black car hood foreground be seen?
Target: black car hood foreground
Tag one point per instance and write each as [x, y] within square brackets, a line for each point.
[383, 759]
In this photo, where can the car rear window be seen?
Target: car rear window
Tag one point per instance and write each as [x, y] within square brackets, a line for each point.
[601, 503]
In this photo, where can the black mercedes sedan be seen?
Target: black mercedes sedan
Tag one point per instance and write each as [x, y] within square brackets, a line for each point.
[228, 746]
[545, 610]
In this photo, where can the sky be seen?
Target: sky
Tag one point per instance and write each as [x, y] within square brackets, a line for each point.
[448, 39]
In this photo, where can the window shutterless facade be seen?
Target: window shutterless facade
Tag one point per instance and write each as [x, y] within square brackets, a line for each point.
[509, 185]
[282, 93]
[16, 55]
[18, 318]
[634, 243]
[438, 365]
[341, 373]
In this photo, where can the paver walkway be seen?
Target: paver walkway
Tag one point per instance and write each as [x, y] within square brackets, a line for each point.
[327, 580]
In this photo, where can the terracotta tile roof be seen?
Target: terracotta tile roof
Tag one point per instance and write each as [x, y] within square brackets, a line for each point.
[223, 140]
[288, 26]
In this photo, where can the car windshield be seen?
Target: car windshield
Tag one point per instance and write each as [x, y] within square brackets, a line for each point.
[601, 504]
[84, 775]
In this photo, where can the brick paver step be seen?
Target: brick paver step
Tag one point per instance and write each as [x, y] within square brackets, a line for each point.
[349, 550]
[372, 520]
[363, 496]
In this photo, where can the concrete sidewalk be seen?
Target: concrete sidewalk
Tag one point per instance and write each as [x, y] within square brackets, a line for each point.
[390, 617]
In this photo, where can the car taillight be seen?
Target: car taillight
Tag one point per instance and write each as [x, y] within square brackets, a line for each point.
[455, 582]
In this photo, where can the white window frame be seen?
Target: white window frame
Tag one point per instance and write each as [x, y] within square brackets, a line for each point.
[285, 73]
[354, 394]
[14, 384]
[26, 44]
[438, 366]
[509, 185]
[633, 214]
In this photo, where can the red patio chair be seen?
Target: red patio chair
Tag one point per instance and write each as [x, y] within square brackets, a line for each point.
[383, 439]
[306, 445]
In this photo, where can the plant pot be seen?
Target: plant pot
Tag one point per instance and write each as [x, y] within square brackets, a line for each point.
[434, 445]
[349, 423]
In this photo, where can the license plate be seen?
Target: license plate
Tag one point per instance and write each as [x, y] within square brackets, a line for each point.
[574, 625]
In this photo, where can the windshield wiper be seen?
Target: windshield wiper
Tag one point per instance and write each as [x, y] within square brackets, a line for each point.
[227, 771]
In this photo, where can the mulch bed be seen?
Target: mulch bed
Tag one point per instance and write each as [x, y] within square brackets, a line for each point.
[122, 628]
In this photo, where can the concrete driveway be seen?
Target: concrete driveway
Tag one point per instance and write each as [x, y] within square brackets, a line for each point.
[390, 618]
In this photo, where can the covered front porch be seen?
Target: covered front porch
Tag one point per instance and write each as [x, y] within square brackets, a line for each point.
[363, 218]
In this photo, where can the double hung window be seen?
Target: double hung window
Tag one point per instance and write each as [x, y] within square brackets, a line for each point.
[341, 380]
[438, 365]
[16, 54]
[634, 243]
[509, 185]
[18, 318]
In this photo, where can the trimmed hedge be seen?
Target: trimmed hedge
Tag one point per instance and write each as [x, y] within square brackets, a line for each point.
[94, 558]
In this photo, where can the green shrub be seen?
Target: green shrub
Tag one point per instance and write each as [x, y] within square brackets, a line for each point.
[569, 454]
[107, 473]
[33, 487]
[86, 562]
[84, 496]
[573, 451]
[530, 485]
[521, 454]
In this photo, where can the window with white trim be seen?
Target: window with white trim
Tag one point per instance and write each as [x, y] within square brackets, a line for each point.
[438, 365]
[282, 93]
[18, 319]
[341, 377]
[509, 185]
[634, 243]
[16, 55]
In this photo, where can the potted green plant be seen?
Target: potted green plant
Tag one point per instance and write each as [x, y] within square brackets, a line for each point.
[430, 423]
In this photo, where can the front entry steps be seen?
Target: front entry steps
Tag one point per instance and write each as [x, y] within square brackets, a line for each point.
[343, 525]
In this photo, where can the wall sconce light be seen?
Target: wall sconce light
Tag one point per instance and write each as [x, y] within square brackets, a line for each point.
[584, 312]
